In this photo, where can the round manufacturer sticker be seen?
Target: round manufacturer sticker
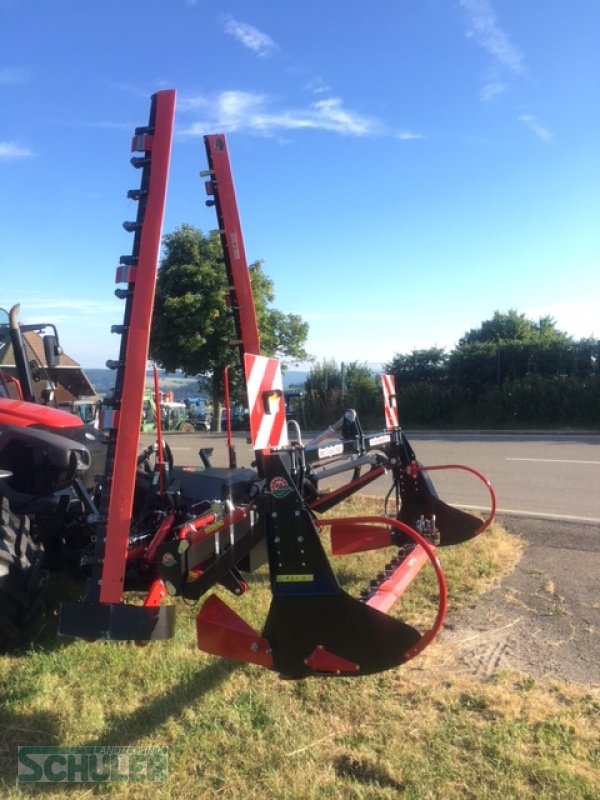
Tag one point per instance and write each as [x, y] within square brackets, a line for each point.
[280, 487]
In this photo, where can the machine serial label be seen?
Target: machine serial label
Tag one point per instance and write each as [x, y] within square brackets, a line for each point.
[294, 578]
[330, 450]
[383, 439]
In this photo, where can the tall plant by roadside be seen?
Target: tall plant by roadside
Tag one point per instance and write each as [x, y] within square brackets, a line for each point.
[331, 388]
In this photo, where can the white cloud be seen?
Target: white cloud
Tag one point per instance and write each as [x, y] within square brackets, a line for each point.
[249, 111]
[539, 130]
[255, 40]
[65, 308]
[330, 115]
[493, 89]
[9, 151]
[408, 136]
[317, 86]
[485, 30]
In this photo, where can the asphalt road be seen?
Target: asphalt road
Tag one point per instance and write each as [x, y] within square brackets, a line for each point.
[557, 477]
[544, 618]
[553, 477]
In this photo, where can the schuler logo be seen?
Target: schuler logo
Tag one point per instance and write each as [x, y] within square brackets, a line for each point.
[91, 764]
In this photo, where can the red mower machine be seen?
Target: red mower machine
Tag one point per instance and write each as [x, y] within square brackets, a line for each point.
[180, 531]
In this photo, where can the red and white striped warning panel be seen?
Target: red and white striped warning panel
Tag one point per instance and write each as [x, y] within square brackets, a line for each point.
[389, 401]
[266, 402]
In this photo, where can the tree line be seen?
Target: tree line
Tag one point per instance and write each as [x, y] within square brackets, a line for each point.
[510, 371]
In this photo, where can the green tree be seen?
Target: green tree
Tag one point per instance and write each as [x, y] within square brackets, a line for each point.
[511, 326]
[363, 392]
[510, 346]
[192, 327]
[419, 366]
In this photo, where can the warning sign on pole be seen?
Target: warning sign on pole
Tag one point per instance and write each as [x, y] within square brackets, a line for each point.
[389, 401]
[266, 402]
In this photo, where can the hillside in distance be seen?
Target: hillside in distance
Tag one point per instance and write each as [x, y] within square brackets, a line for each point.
[103, 381]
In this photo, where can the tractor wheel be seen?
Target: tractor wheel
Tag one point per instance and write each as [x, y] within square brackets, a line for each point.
[187, 427]
[22, 579]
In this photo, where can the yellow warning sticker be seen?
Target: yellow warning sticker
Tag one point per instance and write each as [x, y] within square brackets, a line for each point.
[294, 578]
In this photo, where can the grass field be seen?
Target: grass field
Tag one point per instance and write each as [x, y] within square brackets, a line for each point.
[424, 730]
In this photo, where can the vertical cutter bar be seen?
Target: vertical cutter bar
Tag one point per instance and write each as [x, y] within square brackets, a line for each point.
[233, 242]
[123, 477]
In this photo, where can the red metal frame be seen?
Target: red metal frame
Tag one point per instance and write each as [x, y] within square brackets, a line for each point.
[207, 525]
[4, 376]
[321, 660]
[394, 587]
[156, 594]
[222, 188]
[390, 590]
[220, 631]
[415, 468]
[160, 455]
[126, 450]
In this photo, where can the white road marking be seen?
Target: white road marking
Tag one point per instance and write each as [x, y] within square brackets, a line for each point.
[521, 513]
[553, 460]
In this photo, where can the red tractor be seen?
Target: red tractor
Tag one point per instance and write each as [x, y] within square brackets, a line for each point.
[45, 456]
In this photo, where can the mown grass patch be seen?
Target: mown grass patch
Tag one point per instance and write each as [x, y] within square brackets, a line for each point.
[236, 731]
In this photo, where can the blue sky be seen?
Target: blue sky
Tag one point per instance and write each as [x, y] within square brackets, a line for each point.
[403, 167]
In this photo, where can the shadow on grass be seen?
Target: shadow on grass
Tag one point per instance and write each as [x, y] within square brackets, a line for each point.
[366, 771]
[127, 729]
[18, 729]
[42, 728]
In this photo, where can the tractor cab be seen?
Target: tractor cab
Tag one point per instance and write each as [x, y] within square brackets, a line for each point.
[23, 368]
[174, 416]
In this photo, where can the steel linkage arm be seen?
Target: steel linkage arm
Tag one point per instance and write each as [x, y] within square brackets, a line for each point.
[416, 499]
